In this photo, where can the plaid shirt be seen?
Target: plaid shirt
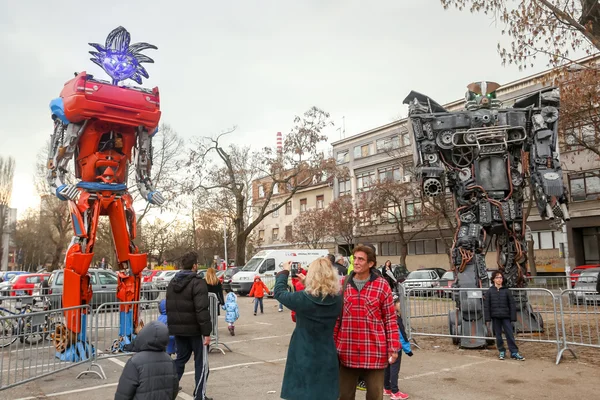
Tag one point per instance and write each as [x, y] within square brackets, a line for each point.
[368, 329]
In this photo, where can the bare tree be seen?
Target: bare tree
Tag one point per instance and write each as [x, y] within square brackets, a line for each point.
[341, 218]
[33, 248]
[229, 171]
[385, 201]
[309, 230]
[551, 28]
[7, 172]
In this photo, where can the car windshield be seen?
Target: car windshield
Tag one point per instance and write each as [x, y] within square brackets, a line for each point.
[419, 275]
[448, 275]
[253, 264]
[588, 277]
[14, 278]
[146, 272]
[230, 272]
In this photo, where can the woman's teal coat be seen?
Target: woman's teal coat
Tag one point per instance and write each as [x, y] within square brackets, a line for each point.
[312, 369]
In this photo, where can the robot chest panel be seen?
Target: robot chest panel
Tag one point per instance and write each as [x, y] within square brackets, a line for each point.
[491, 174]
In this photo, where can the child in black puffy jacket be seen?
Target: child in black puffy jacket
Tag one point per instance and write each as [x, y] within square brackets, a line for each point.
[501, 310]
[150, 373]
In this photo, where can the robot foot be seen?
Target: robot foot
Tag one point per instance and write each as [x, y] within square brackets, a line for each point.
[78, 351]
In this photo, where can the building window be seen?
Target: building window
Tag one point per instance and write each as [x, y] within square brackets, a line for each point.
[407, 172]
[302, 205]
[343, 157]
[275, 213]
[362, 151]
[392, 214]
[320, 202]
[413, 208]
[288, 208]
[390, 248]
[276, 188]
[545, 240]
[404, 138]
[429, 246]
[261, 191]
[261, 235]
[391, 174]
[585, 186]
[288, 233]
[344, 187]
[275, 234]
[364, 181]
[388, 143]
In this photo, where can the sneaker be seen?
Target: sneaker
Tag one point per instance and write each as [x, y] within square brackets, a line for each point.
[501, 355]
[255, 314]
[281, 310]
[387, 392]
[362, 385]
[517, 357]
[398, 396]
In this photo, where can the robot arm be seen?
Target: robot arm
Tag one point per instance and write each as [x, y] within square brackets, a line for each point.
[143, 164]
[544, 165]
[63, 143]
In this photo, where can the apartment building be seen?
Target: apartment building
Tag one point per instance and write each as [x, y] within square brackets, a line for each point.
[368, 158]
[275, 231]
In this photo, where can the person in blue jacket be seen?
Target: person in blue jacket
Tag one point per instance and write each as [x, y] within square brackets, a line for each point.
[232, 311]
[162, 308]
[390, 382]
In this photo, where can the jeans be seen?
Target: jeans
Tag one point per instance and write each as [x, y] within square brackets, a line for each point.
[281, 306]
[349, 378]
[257, 301]
[500, 324]
[390, 379]
[185, 346]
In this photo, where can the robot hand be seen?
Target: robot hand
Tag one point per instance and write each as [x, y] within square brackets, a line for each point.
[155, 198]
[67, 192]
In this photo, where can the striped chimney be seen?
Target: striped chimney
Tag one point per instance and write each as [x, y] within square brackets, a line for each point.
[279, 143]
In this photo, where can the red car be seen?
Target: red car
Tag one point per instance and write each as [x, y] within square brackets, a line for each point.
[148, 274]
[23, 284]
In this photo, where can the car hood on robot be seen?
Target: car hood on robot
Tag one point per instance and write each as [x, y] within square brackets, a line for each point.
[153, 337]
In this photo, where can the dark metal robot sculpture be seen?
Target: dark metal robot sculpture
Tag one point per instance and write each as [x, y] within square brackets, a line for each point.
[483, 155]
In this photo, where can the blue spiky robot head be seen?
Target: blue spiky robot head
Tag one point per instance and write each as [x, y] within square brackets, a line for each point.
[121, 60]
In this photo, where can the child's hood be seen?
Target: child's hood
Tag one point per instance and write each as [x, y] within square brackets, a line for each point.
[153, 337]
[231, 298]
[257, 279]
[162, 307]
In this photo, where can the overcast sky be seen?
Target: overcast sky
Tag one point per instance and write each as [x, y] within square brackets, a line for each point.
[254, 64]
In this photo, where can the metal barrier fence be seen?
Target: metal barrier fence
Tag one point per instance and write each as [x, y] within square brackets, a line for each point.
[214, 317]
[27, 350]
[580, 312]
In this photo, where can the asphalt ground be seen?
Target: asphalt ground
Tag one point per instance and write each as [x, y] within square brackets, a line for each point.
[254, 369]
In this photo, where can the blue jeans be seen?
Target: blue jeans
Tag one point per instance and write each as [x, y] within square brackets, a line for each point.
[390, 377]
[185, 346]
[257, 301]
[504, 324]
[280, 306]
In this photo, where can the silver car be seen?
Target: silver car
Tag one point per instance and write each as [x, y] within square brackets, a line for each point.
[585, 288]
[104, 286]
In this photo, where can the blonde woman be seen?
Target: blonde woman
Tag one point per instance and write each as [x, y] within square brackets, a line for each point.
[214, 286]
[312, 369]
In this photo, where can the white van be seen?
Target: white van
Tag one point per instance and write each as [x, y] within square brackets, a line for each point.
[267, 263]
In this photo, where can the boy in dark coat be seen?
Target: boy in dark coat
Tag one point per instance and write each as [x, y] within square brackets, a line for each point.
[500, 308]
[150, 374]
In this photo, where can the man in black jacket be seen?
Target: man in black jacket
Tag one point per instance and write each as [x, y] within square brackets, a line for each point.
[189, 321]
[149, 374]
[500, 308]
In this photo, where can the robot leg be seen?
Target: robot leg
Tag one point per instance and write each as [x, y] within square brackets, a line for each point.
[469, 266]
[129, 277]
[71, 343]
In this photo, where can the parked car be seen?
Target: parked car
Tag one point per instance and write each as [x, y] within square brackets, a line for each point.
[22, 285]
[586, 288]
[423, 278]
[104, 287]
[162, 279]
[227, 278]
[148, 274]
[6, 276]
[578, 270]
[446, 282]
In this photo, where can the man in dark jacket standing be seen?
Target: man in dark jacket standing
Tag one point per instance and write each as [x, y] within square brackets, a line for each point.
[500, 308]
[149, 374]
[189, 321]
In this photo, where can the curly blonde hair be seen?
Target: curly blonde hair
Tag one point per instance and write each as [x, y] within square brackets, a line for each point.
[211, 277]
[322, 279]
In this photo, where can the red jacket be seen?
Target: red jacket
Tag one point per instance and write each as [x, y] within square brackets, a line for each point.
[298, 287]
[258, 289]
[368, 328]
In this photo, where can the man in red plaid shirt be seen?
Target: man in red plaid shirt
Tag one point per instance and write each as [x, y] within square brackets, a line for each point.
[366, 335]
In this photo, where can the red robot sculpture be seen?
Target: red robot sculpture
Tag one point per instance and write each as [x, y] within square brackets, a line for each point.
[104, 126]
